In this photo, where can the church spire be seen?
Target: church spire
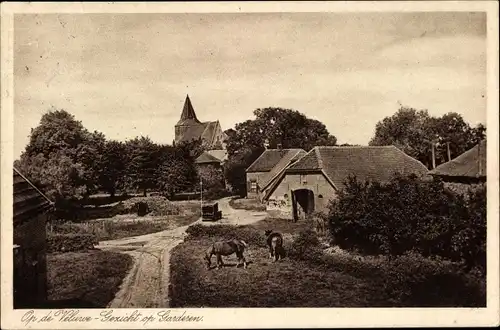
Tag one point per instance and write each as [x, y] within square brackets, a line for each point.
[188, 113]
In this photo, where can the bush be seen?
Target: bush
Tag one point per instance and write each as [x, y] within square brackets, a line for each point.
[417, 282]
[409, 215]
[156, 206]
[70, 242]
[306, 246]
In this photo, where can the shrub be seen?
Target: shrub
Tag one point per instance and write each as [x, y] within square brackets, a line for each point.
[156, 206]
[413, 281]
[306, 246]
[70, 242]
[407, 214]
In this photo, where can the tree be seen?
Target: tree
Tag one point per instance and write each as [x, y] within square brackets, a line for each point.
[142, 163]
[213, 180]
[415, 131]
[112, 167]
[177, 170]
[274, 127]
[61, 156]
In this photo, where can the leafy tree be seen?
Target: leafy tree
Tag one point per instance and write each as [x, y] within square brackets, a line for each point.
[275, 127]
[213, 180]
[61, 156]
[177, 170]
[413, 131]
[112, 169]
[142, 163]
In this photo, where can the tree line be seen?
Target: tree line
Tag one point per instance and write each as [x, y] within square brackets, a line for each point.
[70, 163]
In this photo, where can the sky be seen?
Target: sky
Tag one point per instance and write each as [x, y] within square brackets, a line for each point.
[127, 75]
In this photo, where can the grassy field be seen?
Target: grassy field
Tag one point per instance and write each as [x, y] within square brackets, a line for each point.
[85, 279]
[247, 204]
[312, 279]
[127, 225]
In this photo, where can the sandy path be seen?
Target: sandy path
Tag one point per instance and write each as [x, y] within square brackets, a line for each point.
[146, 285]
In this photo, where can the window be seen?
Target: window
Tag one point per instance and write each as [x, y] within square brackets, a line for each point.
[285, 195]
[320, 196]
[253, 186]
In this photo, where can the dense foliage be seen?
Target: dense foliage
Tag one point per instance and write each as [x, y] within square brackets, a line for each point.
[70, 242]
[70, 163]
[413, 131]
[272, 127]
[410, 215]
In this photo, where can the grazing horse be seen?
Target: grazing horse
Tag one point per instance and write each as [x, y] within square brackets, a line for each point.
[275, 244]
[226, 248]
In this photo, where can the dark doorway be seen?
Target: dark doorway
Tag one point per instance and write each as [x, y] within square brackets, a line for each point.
[302, 203]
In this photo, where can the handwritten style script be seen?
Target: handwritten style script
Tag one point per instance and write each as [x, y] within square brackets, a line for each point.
[108, 316]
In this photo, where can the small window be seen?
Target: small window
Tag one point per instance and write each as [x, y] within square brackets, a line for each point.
[253, 186]
[285, 195]
[320, 196]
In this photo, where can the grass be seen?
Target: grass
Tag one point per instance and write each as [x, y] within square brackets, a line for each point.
[247, 204]
[128, 225]
[333, 279]
[89, 279]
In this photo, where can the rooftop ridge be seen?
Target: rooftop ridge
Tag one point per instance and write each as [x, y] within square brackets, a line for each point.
[318, 156]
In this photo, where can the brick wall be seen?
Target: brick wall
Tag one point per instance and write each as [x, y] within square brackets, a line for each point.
[279, 202]
[30, 265]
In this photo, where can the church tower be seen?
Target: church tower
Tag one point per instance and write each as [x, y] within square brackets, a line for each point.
[187, 121]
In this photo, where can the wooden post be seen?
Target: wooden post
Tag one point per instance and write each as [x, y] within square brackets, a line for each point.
[433, 156]
[449, 153]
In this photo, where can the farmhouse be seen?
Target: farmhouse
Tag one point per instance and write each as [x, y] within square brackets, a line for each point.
[465, 171]
[31, 209]
[189, 128]
[270, 163]
[308, 184]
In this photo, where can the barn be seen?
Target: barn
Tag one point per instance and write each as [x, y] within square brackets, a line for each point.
[312, 181]
[262, 170]
[31, 210]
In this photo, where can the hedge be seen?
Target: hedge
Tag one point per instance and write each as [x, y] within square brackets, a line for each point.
[70, 242]
[407, 214]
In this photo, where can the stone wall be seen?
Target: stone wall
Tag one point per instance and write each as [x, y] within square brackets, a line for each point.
[30, 265]
[280, 200]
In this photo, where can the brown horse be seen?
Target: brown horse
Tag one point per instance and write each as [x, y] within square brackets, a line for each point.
[226, 248]
[275, 244]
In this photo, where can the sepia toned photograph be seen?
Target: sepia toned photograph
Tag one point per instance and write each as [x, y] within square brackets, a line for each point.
[193, 160]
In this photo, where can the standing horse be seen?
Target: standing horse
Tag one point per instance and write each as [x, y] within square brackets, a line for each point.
[275, 244]
[226, 248]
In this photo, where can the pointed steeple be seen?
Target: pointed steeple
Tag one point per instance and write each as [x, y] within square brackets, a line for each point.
[188, 114]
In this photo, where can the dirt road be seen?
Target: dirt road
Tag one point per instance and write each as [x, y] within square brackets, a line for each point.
[146, 285]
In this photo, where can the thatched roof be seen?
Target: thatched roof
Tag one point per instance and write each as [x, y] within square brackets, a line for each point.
[470, 164]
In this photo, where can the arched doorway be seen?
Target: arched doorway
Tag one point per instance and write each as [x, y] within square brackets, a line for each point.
[302, 203]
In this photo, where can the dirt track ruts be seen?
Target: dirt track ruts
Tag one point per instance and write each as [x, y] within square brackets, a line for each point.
[146, 284]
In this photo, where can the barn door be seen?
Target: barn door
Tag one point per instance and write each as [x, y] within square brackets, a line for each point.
[294, 207]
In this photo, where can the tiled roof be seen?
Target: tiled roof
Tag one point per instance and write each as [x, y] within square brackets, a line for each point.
[220, 154]
[28, 200]
[471, 163]
[366, 163]
[267, 160]
[291, 156]
[206, 158]
[194, 132]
